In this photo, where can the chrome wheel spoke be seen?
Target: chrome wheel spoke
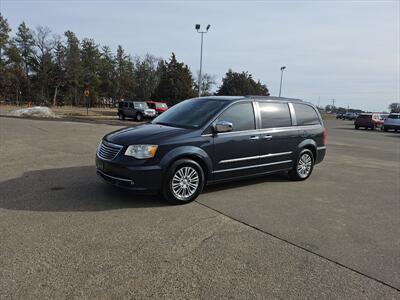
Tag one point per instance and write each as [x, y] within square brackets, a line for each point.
[185, 182]
[304, 165]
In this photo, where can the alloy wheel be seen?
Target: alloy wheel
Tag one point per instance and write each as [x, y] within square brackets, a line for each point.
[185, 183]
[304, 165]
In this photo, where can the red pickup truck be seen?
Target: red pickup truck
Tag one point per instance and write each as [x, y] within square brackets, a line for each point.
[159, 107]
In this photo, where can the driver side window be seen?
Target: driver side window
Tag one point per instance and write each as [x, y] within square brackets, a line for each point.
[241, 115]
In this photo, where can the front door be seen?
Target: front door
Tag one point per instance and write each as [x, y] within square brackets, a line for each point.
[236, 153]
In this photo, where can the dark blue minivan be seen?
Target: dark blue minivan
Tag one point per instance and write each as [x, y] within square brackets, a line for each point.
[212, 139]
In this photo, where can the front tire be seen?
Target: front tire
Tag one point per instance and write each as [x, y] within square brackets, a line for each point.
[139, 117]
[121, 116]
[184, 182]
[303, 167]
[357, 127]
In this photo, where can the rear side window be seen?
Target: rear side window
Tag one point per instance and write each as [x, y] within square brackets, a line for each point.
[365, 117]
[241, 115]
[274, 115]
[305, 115]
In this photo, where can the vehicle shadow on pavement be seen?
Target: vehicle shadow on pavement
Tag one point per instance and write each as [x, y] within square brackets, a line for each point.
[69, 189]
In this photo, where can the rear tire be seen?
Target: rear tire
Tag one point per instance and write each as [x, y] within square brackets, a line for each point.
[121, 116]
[184, 182]
[303, 167]
[357, 127]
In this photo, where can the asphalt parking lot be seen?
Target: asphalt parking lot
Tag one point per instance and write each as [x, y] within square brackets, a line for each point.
[65, 234]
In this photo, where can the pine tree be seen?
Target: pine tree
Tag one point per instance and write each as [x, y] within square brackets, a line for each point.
[241, 84]
[58, 79]
[147, 75]
[4, 37]
[73, 68]
[176, 83]
[107, 74]
[90, 61]
[25, 44]
[125, 80]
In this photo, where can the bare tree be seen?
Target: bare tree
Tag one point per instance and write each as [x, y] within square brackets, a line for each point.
[207, 83]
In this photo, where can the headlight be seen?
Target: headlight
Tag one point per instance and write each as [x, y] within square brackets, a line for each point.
[141, 151]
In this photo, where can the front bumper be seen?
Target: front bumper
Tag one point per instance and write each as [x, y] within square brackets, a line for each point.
[136, 178]
[150, 115]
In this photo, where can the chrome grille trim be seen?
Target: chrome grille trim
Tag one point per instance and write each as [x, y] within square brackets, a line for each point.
[108, 151]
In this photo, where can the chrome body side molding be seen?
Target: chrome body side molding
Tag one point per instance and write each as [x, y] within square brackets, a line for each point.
[255, 166]
[254, 157]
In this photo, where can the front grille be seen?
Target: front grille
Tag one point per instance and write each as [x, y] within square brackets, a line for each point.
[108, 151]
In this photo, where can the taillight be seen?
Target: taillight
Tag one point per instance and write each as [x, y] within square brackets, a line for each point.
[324, 138]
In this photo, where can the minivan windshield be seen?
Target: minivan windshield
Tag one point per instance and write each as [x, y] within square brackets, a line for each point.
[192, 113]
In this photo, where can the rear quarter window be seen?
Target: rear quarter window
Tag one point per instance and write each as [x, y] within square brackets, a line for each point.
[274, 115]
[305, 115]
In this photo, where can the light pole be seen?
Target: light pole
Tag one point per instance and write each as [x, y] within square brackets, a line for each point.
[280, 86]
[197, 27]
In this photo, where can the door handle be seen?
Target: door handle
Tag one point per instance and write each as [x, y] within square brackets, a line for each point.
[254, 137]
[267, 137]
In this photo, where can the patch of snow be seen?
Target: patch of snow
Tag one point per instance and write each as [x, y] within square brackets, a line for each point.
[37, 111]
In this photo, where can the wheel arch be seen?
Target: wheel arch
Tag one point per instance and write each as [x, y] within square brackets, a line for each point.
[310, 145]
[190, 152]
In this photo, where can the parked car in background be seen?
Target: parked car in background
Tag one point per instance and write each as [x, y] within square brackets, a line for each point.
[136, 110]
[339, 116]
[212, 139]
[384, 116]
[368, 120]
[392, 122]
[159, 107]
[350, 116]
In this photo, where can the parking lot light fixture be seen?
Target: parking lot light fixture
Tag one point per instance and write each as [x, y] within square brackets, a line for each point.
[280, 86]
[197, 27]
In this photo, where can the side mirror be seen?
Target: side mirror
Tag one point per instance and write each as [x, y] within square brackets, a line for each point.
[223, 126]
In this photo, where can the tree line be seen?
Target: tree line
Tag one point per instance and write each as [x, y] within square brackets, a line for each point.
[43, 68]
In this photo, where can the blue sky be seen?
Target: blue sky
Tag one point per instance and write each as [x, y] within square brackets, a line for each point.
[342, 50]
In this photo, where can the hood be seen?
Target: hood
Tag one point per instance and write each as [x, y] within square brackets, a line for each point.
[143, 134]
